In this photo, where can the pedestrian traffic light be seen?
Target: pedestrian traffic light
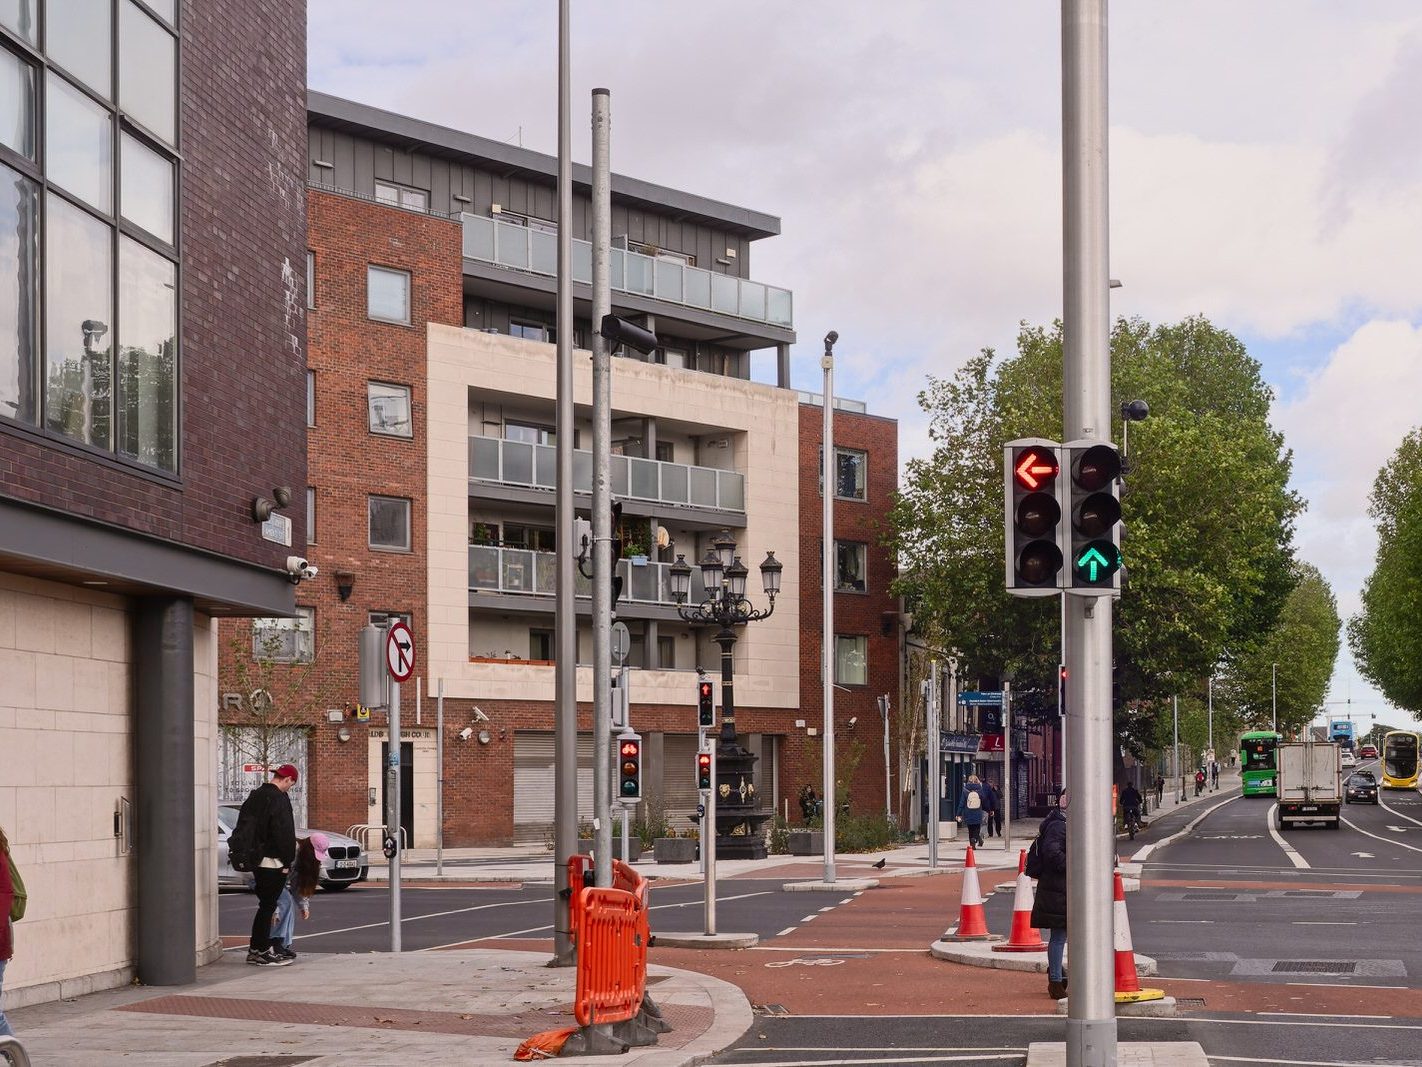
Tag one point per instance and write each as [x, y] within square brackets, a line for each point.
[616, 554]
[706, 703]
[1032, 517]
[1093, 517]
[703, 770]
[629, 767]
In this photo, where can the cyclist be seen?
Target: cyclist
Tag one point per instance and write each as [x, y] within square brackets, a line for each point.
[1131, 809]
[1199, 781]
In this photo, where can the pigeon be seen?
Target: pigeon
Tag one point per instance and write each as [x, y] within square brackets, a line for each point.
[880, 864]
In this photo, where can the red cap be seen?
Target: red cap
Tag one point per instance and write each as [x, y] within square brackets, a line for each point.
[286, 770]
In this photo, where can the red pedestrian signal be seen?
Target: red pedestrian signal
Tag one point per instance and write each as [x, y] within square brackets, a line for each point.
[705, 703]
[629, 768]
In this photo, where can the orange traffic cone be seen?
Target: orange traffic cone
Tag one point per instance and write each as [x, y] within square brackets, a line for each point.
[972, 920]
[1023, 937]
[1126, 980]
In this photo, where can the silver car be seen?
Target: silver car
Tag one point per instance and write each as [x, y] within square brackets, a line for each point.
[346, 860]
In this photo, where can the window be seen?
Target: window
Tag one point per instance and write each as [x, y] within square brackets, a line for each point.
[537, 538]
[540, 645]
[79, 311]
[850, 566]
[666, 653]
[529, 433]
[850, 472]
[146, 196]
[79, 144]
[285, 640]
[145, 397]
[19, 304]
[390, 522]
[387, 294]
[385, 618]
[17, 121]
[310, 278]
[401, 196]
[666, 451]
[311, 398]
[79, 35]
[529, 331]
[20, 16]
[674, 357]
[310, 515]
[146, 71]
[851, 660]
[389, 409]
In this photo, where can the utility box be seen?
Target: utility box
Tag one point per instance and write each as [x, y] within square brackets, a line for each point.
[1310, 783]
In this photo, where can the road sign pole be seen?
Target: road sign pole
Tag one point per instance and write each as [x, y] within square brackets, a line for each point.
[1091, 1010]
[708, 848]
[934, 755]
[392, 815]
[1007, 766]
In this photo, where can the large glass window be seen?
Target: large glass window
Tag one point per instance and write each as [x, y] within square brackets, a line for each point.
[851, 471]
[851, 660]
[285, 640]
[147, 357]
[850, 566]
[19, 289]
[79, 144]
[389, 409]
[20, 16]
[146, 65]
[147, 194]
[390, 522]
[78, 323]
[78, 37]
[400, 196]
[310, 515]
[17, 117]
[387, 294]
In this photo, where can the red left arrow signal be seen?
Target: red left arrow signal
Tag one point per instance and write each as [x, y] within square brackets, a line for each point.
[1034, 468]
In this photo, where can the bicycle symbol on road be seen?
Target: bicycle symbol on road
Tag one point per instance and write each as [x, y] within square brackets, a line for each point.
[807, 961]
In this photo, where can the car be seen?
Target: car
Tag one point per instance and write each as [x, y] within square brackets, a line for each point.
[346, 863]
[1349, 760]
[1368, 752]
[1362, 787]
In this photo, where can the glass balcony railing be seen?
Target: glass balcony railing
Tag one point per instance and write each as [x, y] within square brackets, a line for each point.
[524, 572]
[492, 459]
[509, 244]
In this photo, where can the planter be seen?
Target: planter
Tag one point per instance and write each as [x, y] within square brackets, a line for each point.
[806, 842]
[675, 849]
[634, 847]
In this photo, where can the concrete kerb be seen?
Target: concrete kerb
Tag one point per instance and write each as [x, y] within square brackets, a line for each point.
[980, 954]
[705, 941]
[1128, 1054]
[1164, 1008]
[847, 885]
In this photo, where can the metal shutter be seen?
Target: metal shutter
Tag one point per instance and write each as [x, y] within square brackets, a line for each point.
[679, 796]
[533, 784]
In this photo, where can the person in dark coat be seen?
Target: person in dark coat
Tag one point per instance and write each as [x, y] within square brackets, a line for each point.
[1049, 907]
[972, 807]
[992, 805]
[274, 838]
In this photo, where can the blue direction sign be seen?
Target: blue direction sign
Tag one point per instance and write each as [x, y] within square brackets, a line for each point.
[976, 699]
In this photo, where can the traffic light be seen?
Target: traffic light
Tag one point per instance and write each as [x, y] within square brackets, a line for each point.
[629, 767]
[703, 770]
[706, 703]
[616, 553]
[1093, 517]
[1032, 517]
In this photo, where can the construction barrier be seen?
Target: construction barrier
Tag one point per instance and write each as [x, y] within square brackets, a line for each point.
[972, 920]
[1128, 986]
[1023, 937]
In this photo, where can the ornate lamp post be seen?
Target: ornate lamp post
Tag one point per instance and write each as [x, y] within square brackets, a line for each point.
[724, 576]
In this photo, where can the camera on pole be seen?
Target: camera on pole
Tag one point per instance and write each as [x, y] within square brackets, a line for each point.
[620, 331]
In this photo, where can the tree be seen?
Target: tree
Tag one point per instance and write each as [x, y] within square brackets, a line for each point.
[1386, 635]
[281, 690]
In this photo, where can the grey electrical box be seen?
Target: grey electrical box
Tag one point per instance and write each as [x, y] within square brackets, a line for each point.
[374, 677]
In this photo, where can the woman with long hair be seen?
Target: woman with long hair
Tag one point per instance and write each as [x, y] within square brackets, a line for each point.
[301, 886]
[7, 931]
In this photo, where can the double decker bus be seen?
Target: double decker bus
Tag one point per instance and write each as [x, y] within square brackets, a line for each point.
[1399, 760]
[1340, 732]
[1257, 762]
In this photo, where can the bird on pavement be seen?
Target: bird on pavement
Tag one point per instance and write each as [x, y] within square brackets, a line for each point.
[880, 864]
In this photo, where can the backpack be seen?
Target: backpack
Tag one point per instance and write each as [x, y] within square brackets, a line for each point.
[1034, 859]
[974, 801]
[243, 851]
[21, 897]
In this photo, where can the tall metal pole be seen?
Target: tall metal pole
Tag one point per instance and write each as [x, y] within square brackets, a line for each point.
[708, 851]
[602, 487]
[827, 578]
[1274, 690]
[1091, 1010]
[1007, 767]
[565, 680]
[888, 792]
[439, 791]
[392, 813]
[933, 757]
[1175, 771]
[1061, 693]
[1210, 711]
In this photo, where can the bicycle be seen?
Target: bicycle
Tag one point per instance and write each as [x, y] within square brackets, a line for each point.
[1133, 822]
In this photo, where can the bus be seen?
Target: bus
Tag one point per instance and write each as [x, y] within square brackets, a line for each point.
[1340, 732]
[1399, 760]
[1256, 762]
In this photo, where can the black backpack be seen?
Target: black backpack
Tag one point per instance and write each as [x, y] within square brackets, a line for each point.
[243, 848]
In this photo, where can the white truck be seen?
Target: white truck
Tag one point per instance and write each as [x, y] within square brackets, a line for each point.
[1310, 783]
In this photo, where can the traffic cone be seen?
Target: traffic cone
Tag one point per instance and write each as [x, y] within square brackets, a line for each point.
[1023, 937]
[1126, 980]
[972, 920]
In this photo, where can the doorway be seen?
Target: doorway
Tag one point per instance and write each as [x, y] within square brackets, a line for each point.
[407, 786]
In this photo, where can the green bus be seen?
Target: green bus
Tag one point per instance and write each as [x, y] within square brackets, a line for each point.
[1256, 762]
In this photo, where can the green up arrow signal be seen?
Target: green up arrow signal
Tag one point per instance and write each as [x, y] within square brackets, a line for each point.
[1098, 561]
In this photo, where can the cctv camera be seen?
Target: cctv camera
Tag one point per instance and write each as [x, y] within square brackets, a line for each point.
[852, 720]
[298, 568]
[466, 733]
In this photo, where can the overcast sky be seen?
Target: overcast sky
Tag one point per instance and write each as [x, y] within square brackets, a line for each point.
[1266, 171]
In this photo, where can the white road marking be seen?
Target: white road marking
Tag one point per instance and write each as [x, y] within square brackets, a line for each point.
[807, 918]
[1315, 922]
[787, 930]
[830, 908]
[1375, 837]
[1389, 807]
[1289, 850]
[1284, 1063]
[1364, 855]
[973, 1057]
[1143, 853]
[1321, 1015]
[1184, 922]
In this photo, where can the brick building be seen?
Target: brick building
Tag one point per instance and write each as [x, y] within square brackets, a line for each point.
[152, 344]
[432, 385]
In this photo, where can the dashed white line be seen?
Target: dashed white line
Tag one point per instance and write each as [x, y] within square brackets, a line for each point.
[830, 908]
[787, 930]
[807, 918]
[1376, 837]
[1289, 850]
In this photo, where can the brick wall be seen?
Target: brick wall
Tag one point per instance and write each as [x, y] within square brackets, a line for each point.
[243, 137]
[854, 614]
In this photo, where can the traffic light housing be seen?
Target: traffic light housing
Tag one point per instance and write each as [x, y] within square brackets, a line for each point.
[703, 770]
[629, 767]
[705, 703]
[1032, 515]
[1092, 503]
[616, 553]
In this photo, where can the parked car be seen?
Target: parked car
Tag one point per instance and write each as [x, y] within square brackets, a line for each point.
[347, 861]
[1349, 760]
[1362, 787]
[1368, 751]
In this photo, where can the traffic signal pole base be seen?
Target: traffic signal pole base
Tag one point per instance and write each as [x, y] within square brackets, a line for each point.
[1147, 1004]
[706, 940]
[852, 885]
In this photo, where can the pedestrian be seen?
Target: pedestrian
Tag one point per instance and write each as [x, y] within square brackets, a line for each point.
[1214, 774]
[1159, 790]
[264, 842]
[7, 929]
[970, 810]
[300, 888]
[992, 817]
[1046, 861]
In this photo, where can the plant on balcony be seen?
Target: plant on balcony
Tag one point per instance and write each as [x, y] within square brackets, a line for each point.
[482, 534]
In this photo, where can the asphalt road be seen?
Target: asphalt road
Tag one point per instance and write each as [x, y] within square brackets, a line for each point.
[357, 919]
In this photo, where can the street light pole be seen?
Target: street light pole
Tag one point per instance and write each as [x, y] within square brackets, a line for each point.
[1274, 693]
[828, 553]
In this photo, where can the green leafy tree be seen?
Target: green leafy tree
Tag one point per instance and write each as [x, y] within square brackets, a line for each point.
[1386, 635]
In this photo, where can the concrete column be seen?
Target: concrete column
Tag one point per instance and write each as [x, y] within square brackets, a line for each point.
[165, 765]
[782, 366]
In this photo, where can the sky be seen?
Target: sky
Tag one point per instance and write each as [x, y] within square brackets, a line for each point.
[1266, 172]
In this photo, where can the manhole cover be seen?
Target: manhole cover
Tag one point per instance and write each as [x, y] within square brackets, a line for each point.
[261, 1061]
[1314, 967]
[1189, 1002]
[769, 1009]
[1208, 896]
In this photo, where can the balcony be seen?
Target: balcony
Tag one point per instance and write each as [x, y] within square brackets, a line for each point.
[524, 572]
[509, 244]
[494, 460]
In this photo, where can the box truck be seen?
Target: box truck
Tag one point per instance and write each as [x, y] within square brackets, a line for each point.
[1310, 783]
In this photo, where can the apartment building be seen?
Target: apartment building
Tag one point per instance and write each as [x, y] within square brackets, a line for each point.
[152, 344]
[432, 443]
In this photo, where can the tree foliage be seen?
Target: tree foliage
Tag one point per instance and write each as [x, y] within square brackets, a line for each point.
[1208, 513]
[1386, 635]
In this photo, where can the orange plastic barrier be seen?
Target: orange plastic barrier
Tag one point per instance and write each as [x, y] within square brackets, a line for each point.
[611, 962]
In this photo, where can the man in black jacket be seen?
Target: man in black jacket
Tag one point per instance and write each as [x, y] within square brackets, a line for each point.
[1049, 907]
[273, 836]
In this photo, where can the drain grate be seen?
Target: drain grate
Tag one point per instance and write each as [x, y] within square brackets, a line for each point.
[1208, 896]
[1314, 967]
[769, 1009]
[1189, 1002]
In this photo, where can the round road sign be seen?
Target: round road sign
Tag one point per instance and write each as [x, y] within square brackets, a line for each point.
[400, 651]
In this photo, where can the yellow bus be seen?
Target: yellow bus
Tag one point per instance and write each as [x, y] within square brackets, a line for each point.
[1399, 760]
